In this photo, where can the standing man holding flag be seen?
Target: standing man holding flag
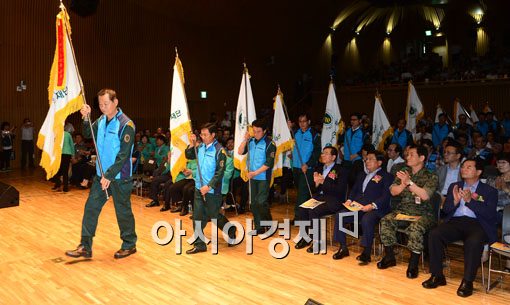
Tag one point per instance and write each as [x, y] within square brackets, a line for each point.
[211, 158]
[305, 157]
[262, 154]
[115, 134]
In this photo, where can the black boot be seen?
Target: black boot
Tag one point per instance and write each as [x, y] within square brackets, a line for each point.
[412, 269]
[388, 260]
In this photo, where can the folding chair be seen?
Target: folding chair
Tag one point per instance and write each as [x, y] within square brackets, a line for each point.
[505, 240]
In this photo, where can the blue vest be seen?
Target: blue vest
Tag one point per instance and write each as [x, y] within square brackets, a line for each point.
[304, 141]
[439, 133]
[108, 144]
[257, 152]
[506, 126]
[483, 127]
[207, 158]
[400, 138]
[353, 142]
[430, 164]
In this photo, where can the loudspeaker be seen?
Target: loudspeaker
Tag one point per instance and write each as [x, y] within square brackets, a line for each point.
[9, 196]
[84, 8]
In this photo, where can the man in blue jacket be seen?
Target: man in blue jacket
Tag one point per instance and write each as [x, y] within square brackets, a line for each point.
[210, 169]
[305, 157]
[115, 134]
[471, 217]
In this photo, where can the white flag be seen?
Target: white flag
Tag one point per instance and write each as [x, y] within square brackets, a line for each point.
[65, 97]
[281, 136]
[414, 109]
[180, 126]
[332, 124]
[474, 116]
[458, 110]
[439, 111]
[381, 128]
[245, 115]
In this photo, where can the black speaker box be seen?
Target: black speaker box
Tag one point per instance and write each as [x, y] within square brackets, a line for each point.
[9, 196]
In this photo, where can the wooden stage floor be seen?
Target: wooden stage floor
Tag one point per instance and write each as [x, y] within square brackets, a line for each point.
[34, 269]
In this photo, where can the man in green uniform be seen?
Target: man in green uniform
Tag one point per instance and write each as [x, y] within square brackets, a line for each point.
[261, 151]
[210, 169]
[415, 185]
[115, 134]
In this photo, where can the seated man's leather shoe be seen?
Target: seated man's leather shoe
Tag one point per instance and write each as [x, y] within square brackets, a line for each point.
[164, 208]
[363, 259]
[341, 253]
[301, 244]
[80, 251]
[465, 289]
[176, 209]
[195, 250]
[387, 262]
[152, 204]
[434, 282]
[412, 272]
[124, 253]
[183, 212]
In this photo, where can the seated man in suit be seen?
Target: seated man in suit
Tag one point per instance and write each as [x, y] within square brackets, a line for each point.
[331, 188]
[372, 190]
[415, 185]
[470, 209]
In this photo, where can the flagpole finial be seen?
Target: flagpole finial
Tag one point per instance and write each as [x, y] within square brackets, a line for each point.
[176, 52]
[61, 5]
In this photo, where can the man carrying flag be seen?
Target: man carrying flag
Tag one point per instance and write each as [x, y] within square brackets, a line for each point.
[305, 156]
[115, 134]
[262, 154]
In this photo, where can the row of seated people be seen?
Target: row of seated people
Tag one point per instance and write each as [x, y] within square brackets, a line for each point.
[469, 211]
[180, 191]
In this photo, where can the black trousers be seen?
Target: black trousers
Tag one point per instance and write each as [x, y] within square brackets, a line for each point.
[463, 228]
[240, 186]
[27, 150]
[155, 186]
[5, 158]
[182, 190]
[63, 172]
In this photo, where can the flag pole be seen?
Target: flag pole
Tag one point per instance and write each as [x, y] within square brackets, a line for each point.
[199, 171]
[62, 7]
[245, 72]
[295, 143]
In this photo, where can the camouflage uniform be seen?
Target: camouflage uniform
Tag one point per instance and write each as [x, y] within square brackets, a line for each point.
[408, 206]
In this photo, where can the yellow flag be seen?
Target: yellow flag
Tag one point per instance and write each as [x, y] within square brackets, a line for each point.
[64, 94]
[180, 126]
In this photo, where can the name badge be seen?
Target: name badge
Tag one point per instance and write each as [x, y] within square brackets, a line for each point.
[417, 200]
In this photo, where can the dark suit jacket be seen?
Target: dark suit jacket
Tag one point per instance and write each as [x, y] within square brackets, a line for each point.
[485, 210]
[376, 192]
[333, 189]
